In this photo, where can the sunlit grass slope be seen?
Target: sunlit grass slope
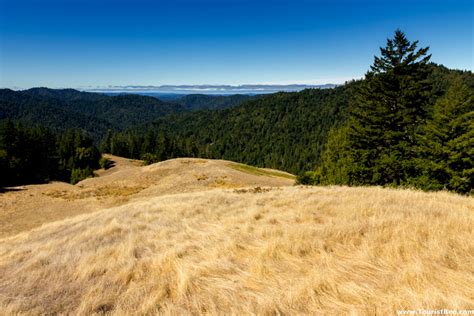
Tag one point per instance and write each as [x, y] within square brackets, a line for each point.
[33, 205]
[289, 250]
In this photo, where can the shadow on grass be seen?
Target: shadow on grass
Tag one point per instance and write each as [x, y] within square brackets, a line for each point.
[107, 164]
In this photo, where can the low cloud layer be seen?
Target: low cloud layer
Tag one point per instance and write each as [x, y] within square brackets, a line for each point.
[210, 89]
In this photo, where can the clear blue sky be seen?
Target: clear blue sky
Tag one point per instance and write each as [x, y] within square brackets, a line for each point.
[82, 43]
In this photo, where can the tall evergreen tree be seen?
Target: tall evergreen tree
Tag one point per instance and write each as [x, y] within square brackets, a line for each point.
[389, 108]
[105, 143]
[336, 158]
[447, 143]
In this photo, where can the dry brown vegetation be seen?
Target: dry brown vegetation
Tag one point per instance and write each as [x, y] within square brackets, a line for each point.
[34, 205]
[253, 249]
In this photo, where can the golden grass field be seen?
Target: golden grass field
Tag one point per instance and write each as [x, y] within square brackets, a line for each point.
[230, 241]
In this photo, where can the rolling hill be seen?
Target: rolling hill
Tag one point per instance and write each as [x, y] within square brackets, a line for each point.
[194, 236]
[32, 205]
[68, 108]
[62, 109]
[47, 111]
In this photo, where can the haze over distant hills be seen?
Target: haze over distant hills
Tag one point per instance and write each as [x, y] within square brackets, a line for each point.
[210, 89]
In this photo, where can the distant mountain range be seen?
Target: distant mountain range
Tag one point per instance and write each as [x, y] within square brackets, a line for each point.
[210, 89]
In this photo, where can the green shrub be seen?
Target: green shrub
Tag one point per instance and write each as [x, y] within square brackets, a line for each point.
[81, 174]
[148, 158]
[309, 177]
[105, 163]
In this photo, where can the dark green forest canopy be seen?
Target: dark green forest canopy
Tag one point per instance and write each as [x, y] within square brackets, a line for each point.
[195, 102]
[37, 155]
[95, 113]
[61, 109]
[283, 130]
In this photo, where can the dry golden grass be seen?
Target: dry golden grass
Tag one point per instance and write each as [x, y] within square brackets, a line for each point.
[291, 250]
[128, 180]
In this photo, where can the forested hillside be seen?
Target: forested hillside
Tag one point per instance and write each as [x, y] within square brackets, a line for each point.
[92, 112]
[60, 109]
[34, 110]
[284, 130]
[212, 102]
[50, 134]
[38, 155]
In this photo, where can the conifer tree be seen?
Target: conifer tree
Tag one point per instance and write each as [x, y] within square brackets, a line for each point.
[388, 111]
[336, 160]
[105, 144]
[447, 144]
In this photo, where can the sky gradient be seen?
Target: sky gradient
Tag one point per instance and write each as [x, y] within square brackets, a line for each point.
[88, 44]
